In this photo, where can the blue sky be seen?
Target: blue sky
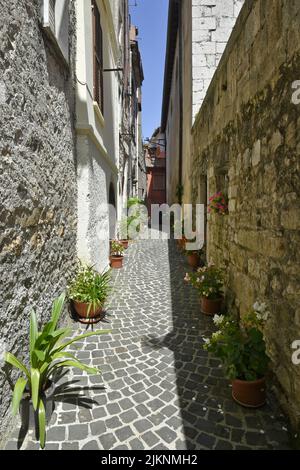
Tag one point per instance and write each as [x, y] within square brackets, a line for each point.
[151, 17]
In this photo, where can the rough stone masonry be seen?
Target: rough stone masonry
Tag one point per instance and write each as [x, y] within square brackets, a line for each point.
[38, 180]
[246, 143]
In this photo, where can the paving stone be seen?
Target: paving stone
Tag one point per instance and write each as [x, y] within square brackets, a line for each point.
[136, 444]
[112, 396]
[70, 446]
[67, 417]
[78, 432]
[107, 441]
[150, 439]
[56, 433]
[113, 423]
[128, 416]
[142, 425]
[223, 445]
[126, 404]
[113, 409]
[124, 433]
[85, 415]
[180, 445]
[206, 440]
[140, 397]
[48, 446]
[99, 412]
[155, 404]
[91, 445]
[168, 411]
[166, 434]
[98, 427]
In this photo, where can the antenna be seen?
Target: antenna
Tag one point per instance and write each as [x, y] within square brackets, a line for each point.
[135, 4]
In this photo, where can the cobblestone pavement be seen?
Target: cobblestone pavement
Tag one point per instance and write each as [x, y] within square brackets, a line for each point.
[159, 389]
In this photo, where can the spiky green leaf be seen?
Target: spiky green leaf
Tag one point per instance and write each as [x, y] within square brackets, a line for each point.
[18, 394]
[13, 361]
[57, 309]
[42, 423]
[35, 387]
[33, 332]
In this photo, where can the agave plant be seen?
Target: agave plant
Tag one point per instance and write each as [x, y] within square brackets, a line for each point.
[47, 354]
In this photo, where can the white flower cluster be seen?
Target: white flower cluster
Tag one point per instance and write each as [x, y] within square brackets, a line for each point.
[218, 319]
[216, 335]
[261, 311]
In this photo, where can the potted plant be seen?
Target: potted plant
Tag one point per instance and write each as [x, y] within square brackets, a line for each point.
[193, 258]
[47, 355]
[116, 254]
[88, 292]
[218, 204]
[209, 283]
[241, 347]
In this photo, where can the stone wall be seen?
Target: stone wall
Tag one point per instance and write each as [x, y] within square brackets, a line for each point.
[37, 176]
[246, 142]
[212, 24]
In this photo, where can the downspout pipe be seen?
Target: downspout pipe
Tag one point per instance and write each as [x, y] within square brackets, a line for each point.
[180, 65]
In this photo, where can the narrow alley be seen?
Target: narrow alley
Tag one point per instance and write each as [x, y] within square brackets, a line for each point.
[159, 389]
[150, 227]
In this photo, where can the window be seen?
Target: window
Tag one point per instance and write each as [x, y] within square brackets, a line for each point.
[159, 182]
[98, 57]
[55, 21]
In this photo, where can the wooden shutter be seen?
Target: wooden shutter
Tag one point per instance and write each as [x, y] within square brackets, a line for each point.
[98, 57]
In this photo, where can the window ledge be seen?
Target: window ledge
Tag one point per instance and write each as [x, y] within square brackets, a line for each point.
[98, 113]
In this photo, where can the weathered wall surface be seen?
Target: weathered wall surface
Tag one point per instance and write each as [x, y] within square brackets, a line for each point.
[37, 177]
[246, 142]
[212, 25]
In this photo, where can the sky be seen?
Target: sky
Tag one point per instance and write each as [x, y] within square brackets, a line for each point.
[151, 18]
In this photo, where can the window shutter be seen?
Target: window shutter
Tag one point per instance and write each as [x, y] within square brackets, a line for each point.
[62, 26]
[98, 57]
[55, 20]
[48, 15]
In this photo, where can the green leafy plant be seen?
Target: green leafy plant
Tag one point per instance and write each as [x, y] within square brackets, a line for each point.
[240, 345]
[136, 215]
[47, 355]
[116, 248]
[123, 228]
[90, 287]
[134, 201]
[208, 281]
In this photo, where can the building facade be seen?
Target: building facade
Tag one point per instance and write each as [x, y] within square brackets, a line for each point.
[62, 68]
[97, 126]
[246, 144]
[109, 140]
[38, 193]
[155, 156]
[131, 178]
[197, 35]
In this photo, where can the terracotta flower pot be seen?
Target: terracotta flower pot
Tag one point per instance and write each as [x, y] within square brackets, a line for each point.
[124, 243]
[193, 260]
[181, 243]
[116, 262]
[210, 307]
[249, 394]
[86, 316]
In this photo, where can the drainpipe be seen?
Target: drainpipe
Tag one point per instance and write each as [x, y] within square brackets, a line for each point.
[180, 179]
